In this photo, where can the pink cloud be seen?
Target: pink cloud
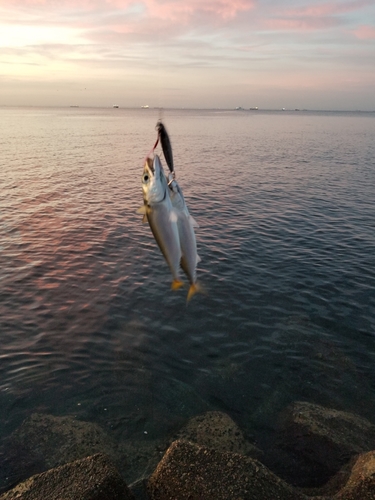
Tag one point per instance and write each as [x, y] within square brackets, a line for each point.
[164, 9]
[314, 16]
[51, 6]
[165, 19]
[185, 9]
[303, 24]
[327, 9]
[365, 32]
[111, 21]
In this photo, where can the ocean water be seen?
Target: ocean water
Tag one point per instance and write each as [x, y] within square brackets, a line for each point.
[89, 327]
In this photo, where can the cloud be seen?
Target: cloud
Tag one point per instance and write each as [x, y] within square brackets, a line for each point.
[300, 24]
[327, 9]
[121, 21]
[187, 9]
[314, 16]
[365, 32]
[172, 10]
[187, 44]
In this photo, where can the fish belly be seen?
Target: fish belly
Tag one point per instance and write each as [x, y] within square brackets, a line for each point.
[189, 257]
[166, 234]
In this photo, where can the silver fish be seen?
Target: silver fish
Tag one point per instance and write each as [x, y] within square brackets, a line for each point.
[185, 222]
[188, 243]
[161, 215]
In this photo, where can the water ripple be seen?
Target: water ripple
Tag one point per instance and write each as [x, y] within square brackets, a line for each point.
[286, 213]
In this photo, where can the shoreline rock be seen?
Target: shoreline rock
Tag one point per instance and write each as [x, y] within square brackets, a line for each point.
[360, 480]
[192, 472]
[91, 478]
[323, 439]
[44, 441]
[59, 440]
[217, 430]
[209, 458]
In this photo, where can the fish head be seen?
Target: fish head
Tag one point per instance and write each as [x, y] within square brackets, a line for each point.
[153, 180]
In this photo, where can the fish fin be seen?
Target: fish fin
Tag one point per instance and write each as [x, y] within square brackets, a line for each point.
[144, 219]
[176, 284]
[142, 210]
[173, 217]
[193, 222]
[194, 288]
[198, 259]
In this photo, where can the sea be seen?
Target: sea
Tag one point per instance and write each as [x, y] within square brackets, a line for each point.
[89, 325]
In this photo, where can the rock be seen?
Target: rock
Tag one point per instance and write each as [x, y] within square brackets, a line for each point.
[16, 465]
[217, 430]
[324, 437]
[192, 472]
[222, 386]
[355, 481]
[174, 401]
[361, 480]
[44, 441]
[92, 478]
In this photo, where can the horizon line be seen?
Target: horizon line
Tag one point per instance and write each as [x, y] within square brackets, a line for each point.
[150, 108]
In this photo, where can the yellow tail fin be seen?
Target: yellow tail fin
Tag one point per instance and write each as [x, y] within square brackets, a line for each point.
[176, 284]
[195, 288]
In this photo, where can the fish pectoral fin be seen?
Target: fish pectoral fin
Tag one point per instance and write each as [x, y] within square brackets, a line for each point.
[173, 217]
[176, 284]
[193, 222]
[142, 210]
[198, 259]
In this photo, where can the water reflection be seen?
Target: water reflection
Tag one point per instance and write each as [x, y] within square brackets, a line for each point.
[89, 326]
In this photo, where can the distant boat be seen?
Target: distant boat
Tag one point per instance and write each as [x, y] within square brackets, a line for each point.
[145, 107]
[115, 105]
[239, 108]
[254, 109]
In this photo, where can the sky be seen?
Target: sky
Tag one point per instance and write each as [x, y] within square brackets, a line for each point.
[306, 54]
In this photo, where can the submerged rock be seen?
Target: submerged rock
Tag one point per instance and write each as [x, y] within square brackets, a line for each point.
[139, 489]
[217, 430]
[92, 478]
[174, 401]
[355, 481]
[45, 441]
[191, 472]
[142, 458]
[324, 438]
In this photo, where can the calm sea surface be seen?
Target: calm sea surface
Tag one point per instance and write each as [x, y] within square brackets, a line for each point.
[89, 326]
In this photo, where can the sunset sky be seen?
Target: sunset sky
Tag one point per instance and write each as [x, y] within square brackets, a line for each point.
[188, 53]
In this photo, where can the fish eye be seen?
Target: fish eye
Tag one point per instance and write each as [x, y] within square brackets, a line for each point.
[145, 178]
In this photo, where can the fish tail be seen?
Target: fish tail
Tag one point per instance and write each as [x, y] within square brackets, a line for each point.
[194, 288]
[176, 284]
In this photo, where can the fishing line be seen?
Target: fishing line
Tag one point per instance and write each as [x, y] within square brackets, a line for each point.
[151, 150]
[159, 89]
[158, 96]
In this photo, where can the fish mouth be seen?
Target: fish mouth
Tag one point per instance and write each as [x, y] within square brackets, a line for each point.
[150, 165]
[152, 168]
[148, 170]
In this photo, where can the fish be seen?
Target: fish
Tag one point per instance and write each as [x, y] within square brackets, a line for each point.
[185, 221]
[161, 216]
[188, 243]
